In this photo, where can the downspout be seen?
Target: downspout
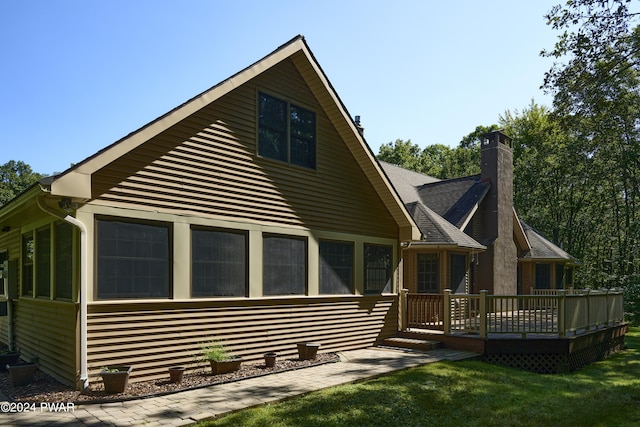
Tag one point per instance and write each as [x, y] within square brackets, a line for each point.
[84, 377]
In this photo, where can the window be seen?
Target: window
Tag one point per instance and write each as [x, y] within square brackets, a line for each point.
[286, 132]
[543, 276]
[133, 260]
[284, 265]
[377, 268]
[63, 260]
[218, 263]
[428, 273]
[336, 267]
[27, 264]
[43, 262]
[458, 270]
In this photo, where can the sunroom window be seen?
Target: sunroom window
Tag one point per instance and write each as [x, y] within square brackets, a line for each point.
[284, 265]
[133, 260]
[219, 263]
[377, 268]
[336, 267]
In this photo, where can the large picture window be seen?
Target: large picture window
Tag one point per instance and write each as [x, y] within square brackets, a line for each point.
[377, 268]
[428, 273]
[286, 132]
[219, 263]
[133, 260]
[284, 265]
[336, 267]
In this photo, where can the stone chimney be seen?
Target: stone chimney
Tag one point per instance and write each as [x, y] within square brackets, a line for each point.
[499, 264]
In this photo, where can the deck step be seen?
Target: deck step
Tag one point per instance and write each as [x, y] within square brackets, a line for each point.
[413, 344]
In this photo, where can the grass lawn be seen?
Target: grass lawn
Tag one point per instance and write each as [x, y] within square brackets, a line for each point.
[469, 393]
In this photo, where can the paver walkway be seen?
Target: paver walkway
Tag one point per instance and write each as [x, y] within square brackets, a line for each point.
[188, 407]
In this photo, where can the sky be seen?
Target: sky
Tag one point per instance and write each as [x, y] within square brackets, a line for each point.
[78, 75]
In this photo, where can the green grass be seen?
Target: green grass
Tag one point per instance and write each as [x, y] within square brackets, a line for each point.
[469, 393]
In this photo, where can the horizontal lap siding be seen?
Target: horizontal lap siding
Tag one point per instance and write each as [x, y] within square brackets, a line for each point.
[151, 337]
[47, 330]
[207, 165]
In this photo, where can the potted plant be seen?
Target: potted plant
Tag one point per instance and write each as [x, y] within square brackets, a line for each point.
[115, 378]
[308, 350]
[270, 359]
[221, 361]
[22, 373]
[176, 373]
[8, 358]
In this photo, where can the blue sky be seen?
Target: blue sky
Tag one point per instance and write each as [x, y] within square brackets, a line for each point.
[79, 75]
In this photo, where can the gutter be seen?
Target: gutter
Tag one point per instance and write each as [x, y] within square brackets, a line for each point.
[84, 377]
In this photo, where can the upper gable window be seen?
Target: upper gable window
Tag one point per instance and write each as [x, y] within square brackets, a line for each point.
[286, 132]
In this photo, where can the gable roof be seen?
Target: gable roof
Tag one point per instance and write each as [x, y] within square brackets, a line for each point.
[438, 231]
[541, 248]
[455, 199]
[435, 229]
[443, 208]
[76, 181]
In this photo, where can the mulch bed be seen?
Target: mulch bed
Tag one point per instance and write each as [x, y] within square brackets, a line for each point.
[44, 388]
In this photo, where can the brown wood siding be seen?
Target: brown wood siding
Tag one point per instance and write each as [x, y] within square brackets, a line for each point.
[527, 277]
[207, 165]
[153, 336]
[47, 329]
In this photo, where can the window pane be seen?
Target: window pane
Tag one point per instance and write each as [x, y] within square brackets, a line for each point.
[377, 268]
[219, 263]
[272, 128]
[336, 267]
[64, 260]
[133, 260]
[285, 266]
[43, 262]
[428, 273]
[303, 137]
[27, 264]
[543, 276]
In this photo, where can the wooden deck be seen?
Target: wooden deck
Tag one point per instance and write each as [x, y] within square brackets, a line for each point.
[546, 333]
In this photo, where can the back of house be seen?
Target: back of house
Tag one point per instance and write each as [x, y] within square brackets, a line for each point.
[254, 214]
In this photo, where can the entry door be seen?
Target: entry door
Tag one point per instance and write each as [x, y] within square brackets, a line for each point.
[459, 273]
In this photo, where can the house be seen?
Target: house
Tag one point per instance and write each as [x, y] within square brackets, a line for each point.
[460, 218]
[254, 214]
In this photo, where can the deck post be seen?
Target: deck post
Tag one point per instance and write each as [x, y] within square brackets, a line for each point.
[561, 312]
[404, 309]
[446, 321]
[483, 313]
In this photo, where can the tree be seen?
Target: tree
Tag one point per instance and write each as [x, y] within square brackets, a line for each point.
[15, 177]
[596, 93]
[401, 153]
[437, 160]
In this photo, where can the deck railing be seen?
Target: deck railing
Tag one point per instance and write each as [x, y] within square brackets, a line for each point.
[425, 311]
[554, 312]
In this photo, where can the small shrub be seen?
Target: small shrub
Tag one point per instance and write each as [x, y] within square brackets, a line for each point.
[215, 351]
